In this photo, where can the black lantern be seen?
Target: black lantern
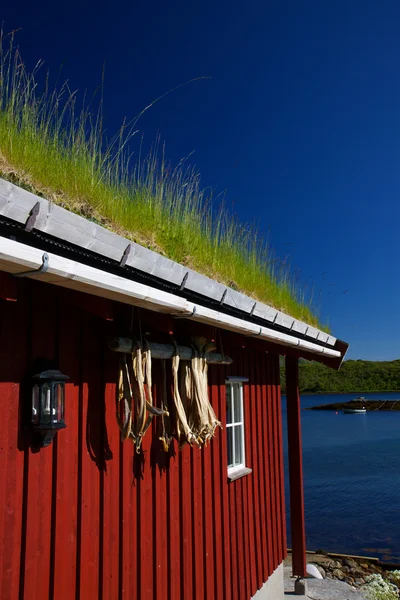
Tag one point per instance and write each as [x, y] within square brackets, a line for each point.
[47, 405]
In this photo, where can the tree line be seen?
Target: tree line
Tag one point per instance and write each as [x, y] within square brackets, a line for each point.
[353, 376]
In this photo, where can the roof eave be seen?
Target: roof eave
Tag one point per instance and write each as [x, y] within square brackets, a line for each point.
[39, 216]
[17, 258]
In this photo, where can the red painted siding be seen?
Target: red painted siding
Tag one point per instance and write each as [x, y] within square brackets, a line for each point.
[87, 518]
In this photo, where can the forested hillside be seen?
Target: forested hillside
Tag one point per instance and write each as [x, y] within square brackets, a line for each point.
[354, 376]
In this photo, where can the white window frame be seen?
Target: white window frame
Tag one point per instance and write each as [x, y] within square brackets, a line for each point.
[237, 469]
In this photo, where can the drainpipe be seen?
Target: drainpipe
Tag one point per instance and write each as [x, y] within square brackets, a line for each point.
[299, 562]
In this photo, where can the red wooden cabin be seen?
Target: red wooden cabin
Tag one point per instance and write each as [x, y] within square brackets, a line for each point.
[89, 518]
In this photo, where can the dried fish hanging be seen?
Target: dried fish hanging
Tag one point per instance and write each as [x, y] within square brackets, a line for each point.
[135, 401]
[183, 431]
[165, 437]
[195, 420]
[199, 422]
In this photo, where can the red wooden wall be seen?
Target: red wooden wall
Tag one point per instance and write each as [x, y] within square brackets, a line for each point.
[86, 518]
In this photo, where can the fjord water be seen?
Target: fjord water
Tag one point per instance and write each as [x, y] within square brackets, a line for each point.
[351, 465]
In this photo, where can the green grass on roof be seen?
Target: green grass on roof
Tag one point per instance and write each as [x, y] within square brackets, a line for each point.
[61, 153]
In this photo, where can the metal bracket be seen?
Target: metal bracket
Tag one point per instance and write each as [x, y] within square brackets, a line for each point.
[42, 269]
[125, 255]
[182, 286]
[32, 217]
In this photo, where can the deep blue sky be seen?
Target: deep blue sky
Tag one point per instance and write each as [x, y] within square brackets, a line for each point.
[299, 122]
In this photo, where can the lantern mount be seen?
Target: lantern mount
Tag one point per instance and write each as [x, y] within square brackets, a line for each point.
[47, 406]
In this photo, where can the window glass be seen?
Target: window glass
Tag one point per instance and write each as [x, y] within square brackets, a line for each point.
[237, 404]
[229, 433]
[229, 414]
[235, 425]
[239, 444]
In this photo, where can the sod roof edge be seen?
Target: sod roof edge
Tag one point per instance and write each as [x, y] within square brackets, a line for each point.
[36, 213]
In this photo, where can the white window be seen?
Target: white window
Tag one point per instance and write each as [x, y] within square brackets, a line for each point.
[235, 426]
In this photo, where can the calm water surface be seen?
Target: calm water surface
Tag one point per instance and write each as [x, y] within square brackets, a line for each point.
[351, 478]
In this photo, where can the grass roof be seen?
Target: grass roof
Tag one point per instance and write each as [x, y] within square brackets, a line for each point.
[52, 149]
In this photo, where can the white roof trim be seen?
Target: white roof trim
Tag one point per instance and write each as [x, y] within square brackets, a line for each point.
[16, 258]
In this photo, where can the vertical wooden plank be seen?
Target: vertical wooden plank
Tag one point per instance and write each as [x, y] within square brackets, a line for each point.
[247, 548]
[65, 518]
[198, 525]
[130, 480]
[89, 555]
[145, 525]
[251, 506]
[185, 486]
[240, 558]
[233, 528]
[281, 466]
[111, 511]
[251, 435]
[208, 520]
[241, 515]
[272, 465]
[215, 474]
[278, 457]
[13, 328]
[39, 492]
[277, 441]
[263, 435]
[174, 520]
[160, 506]
[295, 468]
[241, 564]
[8, 288]
[128, 526]
[230, 589]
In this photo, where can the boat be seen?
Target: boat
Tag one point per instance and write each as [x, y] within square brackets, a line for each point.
[355, 411]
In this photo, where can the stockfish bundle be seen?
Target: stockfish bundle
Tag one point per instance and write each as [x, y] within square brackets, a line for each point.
[195, 420]
[135, 408]
[200, 420]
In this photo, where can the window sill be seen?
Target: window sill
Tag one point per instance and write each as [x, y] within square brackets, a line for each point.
[238, 473]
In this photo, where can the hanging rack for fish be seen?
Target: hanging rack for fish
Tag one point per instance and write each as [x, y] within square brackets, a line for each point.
[195, 421]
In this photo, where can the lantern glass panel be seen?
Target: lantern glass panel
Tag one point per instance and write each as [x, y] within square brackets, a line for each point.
[35, 404]
[46, 403]
[58, 405]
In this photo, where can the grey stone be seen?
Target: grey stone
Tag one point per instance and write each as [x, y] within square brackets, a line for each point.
[338, 574]
[323, 589]
[327, 563]
[349, 562]
[357, 572]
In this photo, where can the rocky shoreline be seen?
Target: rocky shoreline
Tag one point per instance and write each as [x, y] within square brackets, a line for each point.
[355, 571]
